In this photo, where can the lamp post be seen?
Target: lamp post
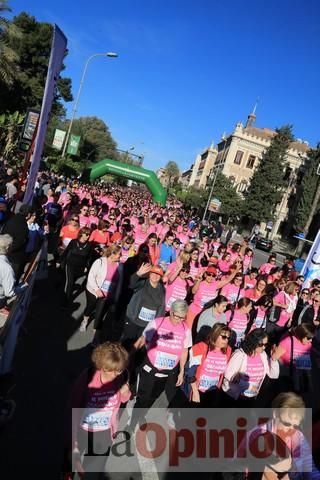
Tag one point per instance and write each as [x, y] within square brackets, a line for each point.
[75, 106]
[215, 179]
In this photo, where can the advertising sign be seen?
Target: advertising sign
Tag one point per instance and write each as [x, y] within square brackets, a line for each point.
[214, 205]
[58, 139]
[73, 144]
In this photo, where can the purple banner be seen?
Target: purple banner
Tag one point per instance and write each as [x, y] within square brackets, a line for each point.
[58, 48]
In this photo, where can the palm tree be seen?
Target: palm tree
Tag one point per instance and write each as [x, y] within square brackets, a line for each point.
[8, 57]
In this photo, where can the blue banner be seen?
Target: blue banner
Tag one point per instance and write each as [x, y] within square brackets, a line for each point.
[311, 267]
[58, 48]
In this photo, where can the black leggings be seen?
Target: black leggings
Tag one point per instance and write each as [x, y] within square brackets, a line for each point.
[72, 274]
[99, 305]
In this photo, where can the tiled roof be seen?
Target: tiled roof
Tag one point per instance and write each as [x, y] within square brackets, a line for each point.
[268, 133]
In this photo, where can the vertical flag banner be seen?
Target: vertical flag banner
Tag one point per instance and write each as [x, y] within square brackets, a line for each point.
[58, 139]
[73, 144]
[311, 267]
[58, 48]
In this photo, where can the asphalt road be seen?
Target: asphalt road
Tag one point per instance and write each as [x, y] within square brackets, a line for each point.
[50, 354]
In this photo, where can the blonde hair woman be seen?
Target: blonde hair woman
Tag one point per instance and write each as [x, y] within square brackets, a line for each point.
[103, 287]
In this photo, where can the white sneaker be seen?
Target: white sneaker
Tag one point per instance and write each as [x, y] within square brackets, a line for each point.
[83, 326]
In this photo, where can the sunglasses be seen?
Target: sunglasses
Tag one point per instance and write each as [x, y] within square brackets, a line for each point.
[305, 293]
[279, 474]
[288, 424]
[111, 218]
[316, 301]
[210, 274]
[225, 337]
[185, 270]
[262, 344]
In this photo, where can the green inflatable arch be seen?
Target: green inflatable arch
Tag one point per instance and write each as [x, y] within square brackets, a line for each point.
[131, 172]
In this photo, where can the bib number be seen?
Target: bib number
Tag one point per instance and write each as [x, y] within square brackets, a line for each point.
[106, 286]
[165, 361]
[147, 315]
[96, 420]
[207, 383]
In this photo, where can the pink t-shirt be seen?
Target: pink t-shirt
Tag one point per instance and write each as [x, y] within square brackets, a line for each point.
[165, 342]
[139, 238]
[102, 403]
[301, 353]
[112, 277]
[252, 294]
[265, 268]
[93, 220]
[83, 221]
[183, 237]
[175, 291]
[194, 271]
[238, 323]
[253, 377]
[249, 282]
[260, 320]
[286, 314]
[231, 291]
[224, 266]
[206, 292]
[213, 366]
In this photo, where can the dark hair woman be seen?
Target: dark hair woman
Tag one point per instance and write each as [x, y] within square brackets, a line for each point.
[248, 367]
[76, 259]
[207, 364]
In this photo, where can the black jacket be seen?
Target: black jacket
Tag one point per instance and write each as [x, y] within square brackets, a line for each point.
[17, 227]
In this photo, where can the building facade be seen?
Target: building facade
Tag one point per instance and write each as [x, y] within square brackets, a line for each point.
[237, 156]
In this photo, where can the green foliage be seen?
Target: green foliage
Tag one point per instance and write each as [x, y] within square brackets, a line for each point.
[172, 172]
[265, 192]
[10, 128]
[32, 49]
[96, 144]
[8, 57]
[308, 189]
[231, 201]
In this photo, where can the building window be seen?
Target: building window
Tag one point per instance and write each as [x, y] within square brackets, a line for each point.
[251, 161]
[242, 187]
[238, 157]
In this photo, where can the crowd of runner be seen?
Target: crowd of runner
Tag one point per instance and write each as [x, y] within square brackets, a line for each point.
[171, 304]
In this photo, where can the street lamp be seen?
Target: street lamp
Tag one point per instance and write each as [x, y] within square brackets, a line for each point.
[215, 179]
[75, 106]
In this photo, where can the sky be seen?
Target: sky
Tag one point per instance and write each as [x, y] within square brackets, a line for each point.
[189, 70]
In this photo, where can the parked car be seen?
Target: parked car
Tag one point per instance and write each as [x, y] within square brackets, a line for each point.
[263, 243]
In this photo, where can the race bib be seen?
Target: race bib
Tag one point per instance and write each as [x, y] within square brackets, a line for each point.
[96, 420]
[147, 315]
[258, 321]
[252, 390]
[165, 361]
[239, 336]
[106, 286]
[207, 383]
[66, 241]
[303, 362]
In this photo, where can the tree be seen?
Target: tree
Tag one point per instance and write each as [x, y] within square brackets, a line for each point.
[309, 193]
[172, 172]
[32, 48]
[231, 201]
[8, 57]
[96, 143]
[265, 192]
[10, 126]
